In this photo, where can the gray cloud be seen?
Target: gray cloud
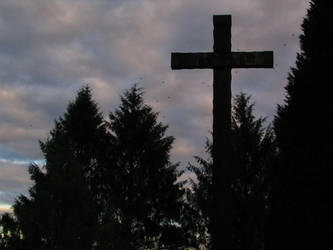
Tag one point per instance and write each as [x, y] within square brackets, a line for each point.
[14, 180]
[49, 49]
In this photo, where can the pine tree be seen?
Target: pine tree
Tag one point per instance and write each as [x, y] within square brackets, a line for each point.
[63, 208]
[145, 190]
[303, 127]
[254, 153]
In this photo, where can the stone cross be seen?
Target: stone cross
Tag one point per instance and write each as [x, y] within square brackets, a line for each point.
[222, 60]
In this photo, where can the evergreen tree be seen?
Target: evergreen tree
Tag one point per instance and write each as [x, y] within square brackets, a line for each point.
[200, 196]
[10, 235]
[144, 180]
[254, 152]
[63, 207]
[303, 127]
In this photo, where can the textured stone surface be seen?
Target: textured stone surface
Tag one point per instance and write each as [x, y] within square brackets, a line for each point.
[211, 60]
[222, 153]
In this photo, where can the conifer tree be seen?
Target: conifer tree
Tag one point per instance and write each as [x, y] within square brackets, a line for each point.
[145, 189]
[303, 127]
[10, 235]
[62, 209]
[254, 152]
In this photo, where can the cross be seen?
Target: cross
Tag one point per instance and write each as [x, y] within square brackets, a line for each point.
[222, 60]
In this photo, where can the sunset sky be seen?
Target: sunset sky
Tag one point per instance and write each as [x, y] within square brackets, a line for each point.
[49, 49]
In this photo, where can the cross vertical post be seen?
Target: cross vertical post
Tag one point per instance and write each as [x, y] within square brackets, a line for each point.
[222, 155]
[222, 60]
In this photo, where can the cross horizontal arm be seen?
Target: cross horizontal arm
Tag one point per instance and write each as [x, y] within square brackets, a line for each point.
[255, 59]
[210, 60]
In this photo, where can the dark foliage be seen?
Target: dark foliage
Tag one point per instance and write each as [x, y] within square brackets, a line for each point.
[62, 210]
[303, 125]
[104, 185]
[10, 236]
[144, 190]
[254, 152]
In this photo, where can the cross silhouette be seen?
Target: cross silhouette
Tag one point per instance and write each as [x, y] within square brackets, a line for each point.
[222, 60]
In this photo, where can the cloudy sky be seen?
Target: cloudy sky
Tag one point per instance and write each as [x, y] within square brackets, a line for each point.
[49, 49]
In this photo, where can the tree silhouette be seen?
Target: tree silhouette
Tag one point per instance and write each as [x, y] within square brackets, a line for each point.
[200, 198]
[62, 210]
[254, 152]
[10, 233]
[303, 127]
[144, 188]
[104, 185]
